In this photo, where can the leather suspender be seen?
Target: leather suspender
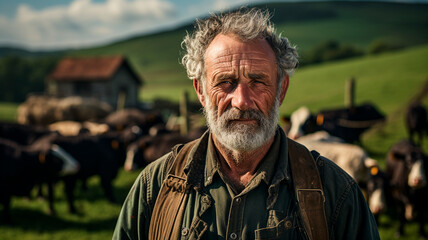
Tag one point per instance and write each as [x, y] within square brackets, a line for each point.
[309, 192]
[170, 204]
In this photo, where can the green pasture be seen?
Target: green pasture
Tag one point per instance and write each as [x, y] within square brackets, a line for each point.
[389, 80]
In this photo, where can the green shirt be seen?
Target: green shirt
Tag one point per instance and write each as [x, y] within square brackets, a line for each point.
[265, 209]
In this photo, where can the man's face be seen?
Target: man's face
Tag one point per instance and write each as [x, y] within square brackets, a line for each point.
[240, 94]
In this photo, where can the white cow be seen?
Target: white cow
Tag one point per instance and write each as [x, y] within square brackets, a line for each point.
[351, 158]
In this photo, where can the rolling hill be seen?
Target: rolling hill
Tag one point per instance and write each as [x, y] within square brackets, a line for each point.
[360, 24]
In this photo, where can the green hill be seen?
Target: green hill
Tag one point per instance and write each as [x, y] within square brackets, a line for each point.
[360, 24]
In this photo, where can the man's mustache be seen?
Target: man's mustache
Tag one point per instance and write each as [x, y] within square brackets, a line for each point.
[235, 114]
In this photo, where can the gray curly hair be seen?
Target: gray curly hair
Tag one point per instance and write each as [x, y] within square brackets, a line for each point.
[247, 24]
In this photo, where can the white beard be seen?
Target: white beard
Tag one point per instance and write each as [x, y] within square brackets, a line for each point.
[241, 137]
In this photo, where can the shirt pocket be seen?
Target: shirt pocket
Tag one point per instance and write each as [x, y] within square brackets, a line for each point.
[286, 228]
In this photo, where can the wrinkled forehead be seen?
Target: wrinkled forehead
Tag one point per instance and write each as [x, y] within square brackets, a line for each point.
[230, 49]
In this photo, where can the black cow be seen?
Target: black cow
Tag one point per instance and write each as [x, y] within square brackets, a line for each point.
[406, 172]
[21, 133]
[416, 122]
[21, 167]
[149, 148]
[100, 155]
[345, 123]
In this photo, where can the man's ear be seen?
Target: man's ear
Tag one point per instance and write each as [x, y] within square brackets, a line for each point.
[284, 87]
[199, 91]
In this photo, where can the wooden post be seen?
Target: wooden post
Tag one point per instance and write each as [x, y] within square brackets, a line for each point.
[350, 93]
[184, 126]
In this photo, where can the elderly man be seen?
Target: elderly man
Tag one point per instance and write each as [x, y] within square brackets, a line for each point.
[243, 179]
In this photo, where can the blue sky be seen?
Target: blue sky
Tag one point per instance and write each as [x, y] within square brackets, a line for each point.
[57, 24]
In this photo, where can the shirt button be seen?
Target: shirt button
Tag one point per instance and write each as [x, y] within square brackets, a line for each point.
[233, 236]
[288, 224]
[238, 200]
[185, 231]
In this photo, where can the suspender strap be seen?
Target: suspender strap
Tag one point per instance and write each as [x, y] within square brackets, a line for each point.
[170, 204]
[309, 192]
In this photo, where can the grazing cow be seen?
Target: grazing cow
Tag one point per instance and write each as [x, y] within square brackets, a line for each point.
[355, 161]
[345, 123]
[122, 119]
[406, 172]
[21, 167]
[149, 148]
[416, 122]
[100, 155]
[22, 134]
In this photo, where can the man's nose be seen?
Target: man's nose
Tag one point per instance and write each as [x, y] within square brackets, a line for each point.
[242, 98]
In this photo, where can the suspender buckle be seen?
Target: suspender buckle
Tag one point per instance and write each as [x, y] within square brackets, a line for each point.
[310, 190]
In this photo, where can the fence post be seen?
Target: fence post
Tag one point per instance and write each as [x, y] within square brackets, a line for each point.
[350, 93]
[184, 126]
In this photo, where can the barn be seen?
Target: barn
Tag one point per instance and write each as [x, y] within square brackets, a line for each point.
[110, 79]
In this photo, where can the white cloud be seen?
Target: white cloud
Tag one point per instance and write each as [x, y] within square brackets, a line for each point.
[83, 22]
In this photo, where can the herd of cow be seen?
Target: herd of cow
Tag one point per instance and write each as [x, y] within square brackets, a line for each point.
[402, 185]
[71, 152]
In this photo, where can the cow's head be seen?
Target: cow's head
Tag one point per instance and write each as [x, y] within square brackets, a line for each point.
[413, 161]
[302, 122]
[376, 188]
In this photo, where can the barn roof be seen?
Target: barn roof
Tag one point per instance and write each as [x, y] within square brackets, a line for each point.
[90, 69]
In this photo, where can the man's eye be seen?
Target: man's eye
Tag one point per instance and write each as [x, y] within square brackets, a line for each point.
[226, 82]
[259, 82]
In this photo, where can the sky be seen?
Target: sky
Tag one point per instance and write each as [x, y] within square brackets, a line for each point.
[65, 24]
[59, 24]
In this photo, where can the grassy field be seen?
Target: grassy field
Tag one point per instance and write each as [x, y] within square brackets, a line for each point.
[388, 80]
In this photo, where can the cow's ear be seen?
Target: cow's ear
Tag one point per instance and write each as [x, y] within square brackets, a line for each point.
[374, 170]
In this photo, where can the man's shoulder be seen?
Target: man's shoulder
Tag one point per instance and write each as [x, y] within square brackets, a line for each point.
[156, 170]
[332, 170]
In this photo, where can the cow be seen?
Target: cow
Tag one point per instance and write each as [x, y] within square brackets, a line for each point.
[345, 123]
[125, 118]
[377, 190]
[100, 155]
[21, 167]
[351, 158]
[44, 110]
[406, 172]
[416, 122]
[149, 148]
[21, 133]
[355, 161]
